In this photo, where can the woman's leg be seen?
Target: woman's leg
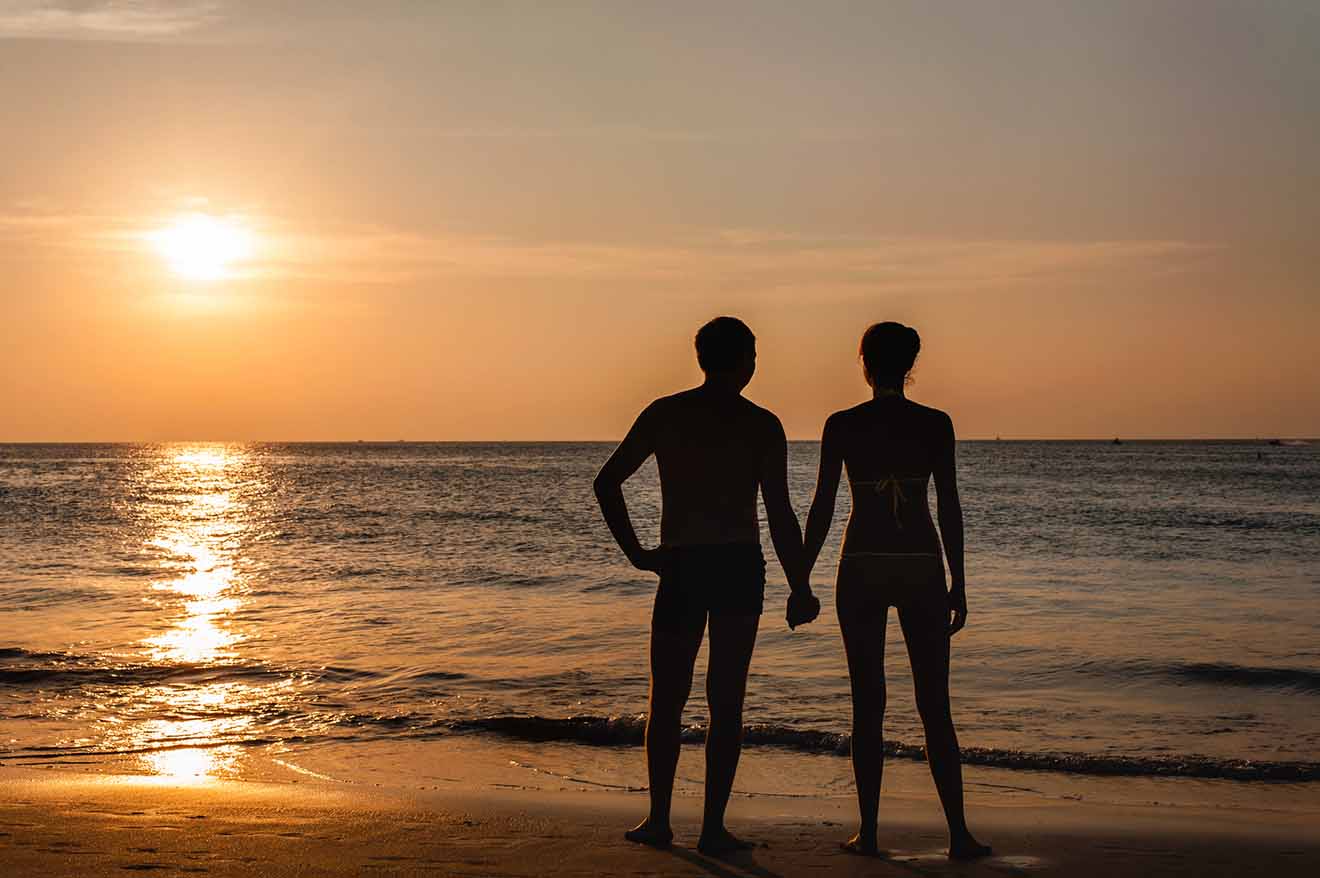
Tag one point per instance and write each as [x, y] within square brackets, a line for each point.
[926, 632]
[863, 625]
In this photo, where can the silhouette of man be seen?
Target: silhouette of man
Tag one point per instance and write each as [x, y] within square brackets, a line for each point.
[714, 449]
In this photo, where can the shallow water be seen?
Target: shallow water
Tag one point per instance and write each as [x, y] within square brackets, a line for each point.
[1148, 608]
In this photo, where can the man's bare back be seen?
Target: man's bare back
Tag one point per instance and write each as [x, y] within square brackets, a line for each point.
[712, 451]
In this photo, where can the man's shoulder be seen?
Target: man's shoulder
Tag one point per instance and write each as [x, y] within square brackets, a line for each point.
[761, 416]
[741, 411]
[667, 404]
[674, 409]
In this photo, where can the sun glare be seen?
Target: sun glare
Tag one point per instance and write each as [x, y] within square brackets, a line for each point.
[200, 246]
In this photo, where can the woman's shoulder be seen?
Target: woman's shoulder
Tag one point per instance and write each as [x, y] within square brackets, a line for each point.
[867, 409]
[843, 419]
[929, 411]
[933, 424]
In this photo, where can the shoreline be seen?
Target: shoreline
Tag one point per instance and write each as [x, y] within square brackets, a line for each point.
[478, 821]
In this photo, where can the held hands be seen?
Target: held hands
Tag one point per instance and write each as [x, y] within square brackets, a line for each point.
[803, 607]
[957, 608]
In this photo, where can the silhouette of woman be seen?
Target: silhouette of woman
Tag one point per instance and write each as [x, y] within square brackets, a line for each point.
[892, 557]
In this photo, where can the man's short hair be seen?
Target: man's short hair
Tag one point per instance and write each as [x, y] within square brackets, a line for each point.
[724, 344]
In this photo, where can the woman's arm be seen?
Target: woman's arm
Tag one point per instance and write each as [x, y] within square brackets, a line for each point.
[821, 515]
[949, 512]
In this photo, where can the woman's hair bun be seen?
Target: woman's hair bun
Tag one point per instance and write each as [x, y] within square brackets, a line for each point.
[888, 351]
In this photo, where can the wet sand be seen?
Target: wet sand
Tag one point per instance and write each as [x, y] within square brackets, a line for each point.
[64, 823]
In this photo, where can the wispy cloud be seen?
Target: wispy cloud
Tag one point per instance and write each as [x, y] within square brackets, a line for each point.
[641, 133]
[29, 228]
[103, 19]
[765, 260]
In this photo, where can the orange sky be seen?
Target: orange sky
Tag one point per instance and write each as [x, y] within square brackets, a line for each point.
[481, 222]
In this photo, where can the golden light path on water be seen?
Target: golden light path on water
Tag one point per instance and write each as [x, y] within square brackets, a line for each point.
[196, 539]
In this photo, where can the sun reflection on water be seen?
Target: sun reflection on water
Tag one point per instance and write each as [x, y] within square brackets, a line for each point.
[188, 765]
[195, 537]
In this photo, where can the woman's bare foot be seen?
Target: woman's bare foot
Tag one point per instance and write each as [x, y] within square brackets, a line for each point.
[654, 836]
[863, 847]
[968, 848]
[720, 841]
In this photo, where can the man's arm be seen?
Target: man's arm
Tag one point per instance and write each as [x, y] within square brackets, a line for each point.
[949, 513]
[821, 516]
[785, 531]
[632, 452]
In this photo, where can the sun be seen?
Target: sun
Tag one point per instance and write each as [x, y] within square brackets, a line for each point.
[200, 246]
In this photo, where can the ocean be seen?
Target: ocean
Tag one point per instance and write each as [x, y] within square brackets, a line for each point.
[1143, 609]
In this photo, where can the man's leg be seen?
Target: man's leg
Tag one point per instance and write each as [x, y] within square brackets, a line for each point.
[674, 648]
[731, 641]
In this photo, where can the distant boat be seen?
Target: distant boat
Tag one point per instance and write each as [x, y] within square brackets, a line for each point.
[1276, 442]
[1117, 441]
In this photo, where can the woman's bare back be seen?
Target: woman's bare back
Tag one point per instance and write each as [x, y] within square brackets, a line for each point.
[890, 447]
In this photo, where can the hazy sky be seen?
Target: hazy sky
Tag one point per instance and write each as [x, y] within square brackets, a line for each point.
[504, 220]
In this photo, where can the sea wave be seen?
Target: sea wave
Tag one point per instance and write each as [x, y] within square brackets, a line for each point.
[46, 670]
[1298, 679]
[22, 668]
[1293, 680]
[398, 702]
[629, 731]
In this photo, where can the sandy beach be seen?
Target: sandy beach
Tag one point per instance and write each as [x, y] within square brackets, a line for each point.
[58, 822]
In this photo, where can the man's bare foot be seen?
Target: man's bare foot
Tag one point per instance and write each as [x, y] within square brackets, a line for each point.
[968, 848]
[863, 847]
[645, 833]
[714, 843]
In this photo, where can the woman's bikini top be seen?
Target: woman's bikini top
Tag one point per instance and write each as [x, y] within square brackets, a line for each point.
[893, 487]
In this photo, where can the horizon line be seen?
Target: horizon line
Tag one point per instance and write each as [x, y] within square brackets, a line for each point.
[1266, 438]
